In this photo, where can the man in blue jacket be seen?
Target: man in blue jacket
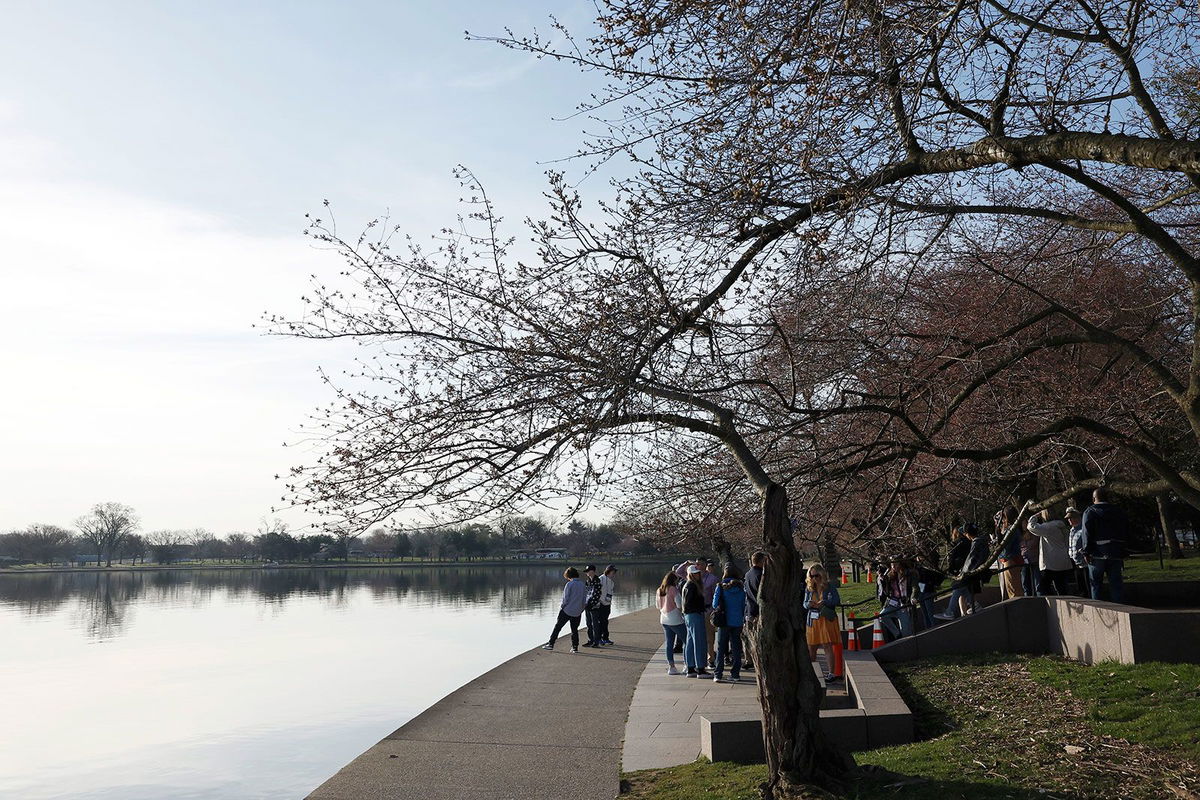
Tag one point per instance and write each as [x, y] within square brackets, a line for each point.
[1105, 531]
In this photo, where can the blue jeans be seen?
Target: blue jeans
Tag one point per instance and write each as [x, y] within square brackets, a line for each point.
[952, 607]
[673, 632]
[1112, 567]
[897, 621]
[695, 650]
[729, 642]
[926, 610]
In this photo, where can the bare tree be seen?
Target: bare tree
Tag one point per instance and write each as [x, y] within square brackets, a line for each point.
[809, 181]
[105, 528]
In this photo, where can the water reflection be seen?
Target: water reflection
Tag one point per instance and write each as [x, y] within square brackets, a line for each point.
[103, 600]
[246, 684]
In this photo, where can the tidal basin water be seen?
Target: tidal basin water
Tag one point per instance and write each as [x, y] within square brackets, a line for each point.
[246, 684]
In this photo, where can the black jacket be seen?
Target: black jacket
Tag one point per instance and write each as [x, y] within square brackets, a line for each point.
[1105, 530]
[752, 582]
[693, 598]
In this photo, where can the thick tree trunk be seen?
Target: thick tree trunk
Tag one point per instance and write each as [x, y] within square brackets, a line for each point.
[797, 753]
[1168, 525]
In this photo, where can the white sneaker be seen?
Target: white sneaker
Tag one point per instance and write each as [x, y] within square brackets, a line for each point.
[673, 671]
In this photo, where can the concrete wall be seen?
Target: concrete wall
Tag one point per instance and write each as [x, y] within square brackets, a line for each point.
[1085, 630]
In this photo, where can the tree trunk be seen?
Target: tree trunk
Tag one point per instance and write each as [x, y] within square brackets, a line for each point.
[1168, 524]
[797, 753]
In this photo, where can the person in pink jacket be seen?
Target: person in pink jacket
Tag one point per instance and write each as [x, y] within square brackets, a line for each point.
[671, 617]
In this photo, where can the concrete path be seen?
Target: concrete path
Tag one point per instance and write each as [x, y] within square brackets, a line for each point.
[664, 716]
[541, 725]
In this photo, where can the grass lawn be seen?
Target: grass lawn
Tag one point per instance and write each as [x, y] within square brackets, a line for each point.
[1009, 726]
[1145, 568]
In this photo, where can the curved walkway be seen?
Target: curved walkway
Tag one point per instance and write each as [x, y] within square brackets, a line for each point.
[541, 725]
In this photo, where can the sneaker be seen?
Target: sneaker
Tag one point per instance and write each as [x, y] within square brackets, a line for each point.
[672, 671]
[829, 677]
[748, 667]
[691, 673]
[574, 649]
[711, 665]
[703, 673]
[548, 646]
[606, 641]
[944, 615]
[735, 678]
[589, 644]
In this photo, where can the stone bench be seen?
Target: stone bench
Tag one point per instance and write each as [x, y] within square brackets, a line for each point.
[878, 718]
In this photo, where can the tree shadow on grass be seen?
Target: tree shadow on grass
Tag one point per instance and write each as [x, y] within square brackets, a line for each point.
[885, 784]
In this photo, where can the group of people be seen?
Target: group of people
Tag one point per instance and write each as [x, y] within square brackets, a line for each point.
[703, 615]
[591, 598]
[1073, 555]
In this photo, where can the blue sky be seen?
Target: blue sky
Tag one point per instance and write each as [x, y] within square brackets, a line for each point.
[156, 161]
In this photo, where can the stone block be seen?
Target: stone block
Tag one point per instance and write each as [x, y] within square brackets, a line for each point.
[906, 649]
[884, 730]
[737, 740]
[846, 728]
[982, 632]
[1028, 631]
[1110, 628]
[1170, 636]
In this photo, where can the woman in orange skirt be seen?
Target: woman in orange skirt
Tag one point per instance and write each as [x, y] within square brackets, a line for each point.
[821, 600]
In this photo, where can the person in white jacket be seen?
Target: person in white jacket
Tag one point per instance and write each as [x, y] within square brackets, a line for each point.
[1054, 553]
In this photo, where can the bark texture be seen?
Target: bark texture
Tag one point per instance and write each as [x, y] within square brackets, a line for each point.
[797, 752]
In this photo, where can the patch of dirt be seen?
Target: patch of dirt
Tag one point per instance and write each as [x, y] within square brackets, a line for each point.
[1013, 728]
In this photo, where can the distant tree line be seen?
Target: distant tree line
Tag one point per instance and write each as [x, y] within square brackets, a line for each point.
[111, 532]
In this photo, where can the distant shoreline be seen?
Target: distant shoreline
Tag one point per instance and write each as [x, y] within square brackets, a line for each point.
[294, 565]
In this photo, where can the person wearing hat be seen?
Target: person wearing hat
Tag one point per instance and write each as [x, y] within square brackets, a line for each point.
[694, 613]
[608, 587]
[591, 605]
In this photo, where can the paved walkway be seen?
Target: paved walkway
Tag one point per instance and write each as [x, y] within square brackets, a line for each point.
[541, 725]
[664, 716]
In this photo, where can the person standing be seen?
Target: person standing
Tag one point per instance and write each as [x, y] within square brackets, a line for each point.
[1105, 531]
[1012, 559]
[694, 609]
[710, 580]
[1075, 551]
[569, 609]
[1053, 553]
[977, 558]
[752, 583]
[1033, 568]
[897, 592]
[670, 615]
[821, 600]
[608, 587]
[591, 605]
[729, 608]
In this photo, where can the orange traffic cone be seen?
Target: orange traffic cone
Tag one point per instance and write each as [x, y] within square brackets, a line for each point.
[845, 580]
[877, 636]
[851, 634]
[870, 576]
[836, 666]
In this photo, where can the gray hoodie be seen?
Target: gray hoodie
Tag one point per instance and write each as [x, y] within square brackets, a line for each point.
[574, 593]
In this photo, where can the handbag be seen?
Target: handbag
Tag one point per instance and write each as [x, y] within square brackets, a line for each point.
[718, 614]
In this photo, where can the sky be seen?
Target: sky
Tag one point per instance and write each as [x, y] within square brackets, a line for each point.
[156, 163]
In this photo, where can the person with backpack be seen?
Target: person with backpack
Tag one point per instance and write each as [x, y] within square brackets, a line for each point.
[694, 609]
[591, 605]
[728, 616]
[569, 609]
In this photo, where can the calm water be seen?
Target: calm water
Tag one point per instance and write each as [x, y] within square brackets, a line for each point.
[218, 684]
